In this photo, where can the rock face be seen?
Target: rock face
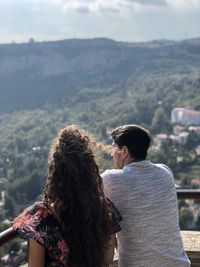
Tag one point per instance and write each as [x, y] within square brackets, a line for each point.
[55, 58]
[35, 74]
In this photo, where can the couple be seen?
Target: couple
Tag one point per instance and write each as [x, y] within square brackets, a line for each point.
[76, 223]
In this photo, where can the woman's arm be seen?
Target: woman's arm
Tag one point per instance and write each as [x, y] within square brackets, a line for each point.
[109, 252]
[36, 257]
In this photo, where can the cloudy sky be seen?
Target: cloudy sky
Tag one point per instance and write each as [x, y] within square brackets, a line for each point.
[124, 20]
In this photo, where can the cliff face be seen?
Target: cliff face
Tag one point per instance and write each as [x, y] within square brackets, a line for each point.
[42, 72]
[59, 57]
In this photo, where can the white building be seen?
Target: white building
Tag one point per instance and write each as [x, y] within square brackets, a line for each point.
[180, 139]
[195, 129]
[185, 116]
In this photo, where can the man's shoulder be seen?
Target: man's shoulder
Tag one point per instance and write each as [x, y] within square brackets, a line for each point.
[164, 167]
[112, 183]
[111, 173]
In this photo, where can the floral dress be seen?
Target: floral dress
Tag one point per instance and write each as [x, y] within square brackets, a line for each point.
[37, 222]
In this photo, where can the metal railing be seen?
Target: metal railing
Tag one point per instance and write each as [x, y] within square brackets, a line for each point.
[7, 235]
[188, 194]
[10, 233]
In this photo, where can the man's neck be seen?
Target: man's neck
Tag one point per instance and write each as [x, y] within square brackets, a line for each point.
[131, 160]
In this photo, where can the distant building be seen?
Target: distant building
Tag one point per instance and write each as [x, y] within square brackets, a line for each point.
[159, 139]
[177, 129]
[197, 150]
[196, 182]
[161, 136]
[180, 139]
[195, 129]
[185, 116]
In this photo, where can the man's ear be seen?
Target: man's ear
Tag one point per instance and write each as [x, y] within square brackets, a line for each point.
[125, 150]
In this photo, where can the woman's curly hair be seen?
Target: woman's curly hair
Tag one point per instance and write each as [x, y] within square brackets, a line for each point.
[74, 186]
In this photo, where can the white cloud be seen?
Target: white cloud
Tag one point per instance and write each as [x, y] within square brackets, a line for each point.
[149, 2]
[111, 6]
[184, 4]
[95, 6]
[118, 19]
[31, 2]
[114, 6]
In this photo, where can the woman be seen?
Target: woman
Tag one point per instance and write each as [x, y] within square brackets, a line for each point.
[75, 224]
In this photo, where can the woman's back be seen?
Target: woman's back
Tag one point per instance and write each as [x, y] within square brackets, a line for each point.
[75, 221]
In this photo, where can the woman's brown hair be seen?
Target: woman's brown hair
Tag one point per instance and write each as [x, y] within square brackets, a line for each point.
[74, 187]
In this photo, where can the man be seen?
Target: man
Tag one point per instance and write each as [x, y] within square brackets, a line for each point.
[145, 195]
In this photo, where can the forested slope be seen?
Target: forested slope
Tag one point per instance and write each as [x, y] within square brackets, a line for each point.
[97, 83]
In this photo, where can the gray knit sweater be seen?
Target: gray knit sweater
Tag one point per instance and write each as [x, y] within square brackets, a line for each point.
[145, 195]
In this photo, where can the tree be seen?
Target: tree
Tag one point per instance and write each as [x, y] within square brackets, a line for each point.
[185, 181]
[160, 122]
[186, 218]
[193, 140]
[20, 143]
[9, 206]
[15, 246]
[182, 204]
[197, 224]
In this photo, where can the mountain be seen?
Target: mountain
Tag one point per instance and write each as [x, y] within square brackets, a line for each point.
[36, 75]
[98, 84]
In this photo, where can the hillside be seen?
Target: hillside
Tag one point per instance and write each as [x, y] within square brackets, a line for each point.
[36, 75]
[99, 84]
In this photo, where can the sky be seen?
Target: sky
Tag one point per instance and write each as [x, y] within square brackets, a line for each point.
[121, 20]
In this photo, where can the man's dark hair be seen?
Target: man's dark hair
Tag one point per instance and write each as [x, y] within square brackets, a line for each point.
[136, 138]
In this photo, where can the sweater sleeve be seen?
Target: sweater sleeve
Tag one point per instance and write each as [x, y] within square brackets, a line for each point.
[106, 184]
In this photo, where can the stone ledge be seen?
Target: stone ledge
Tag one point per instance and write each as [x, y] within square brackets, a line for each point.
[191, 242]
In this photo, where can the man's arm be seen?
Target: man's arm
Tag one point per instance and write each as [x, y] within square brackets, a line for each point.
[106, 184]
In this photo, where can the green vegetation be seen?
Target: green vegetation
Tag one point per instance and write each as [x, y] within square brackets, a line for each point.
[98, 85]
